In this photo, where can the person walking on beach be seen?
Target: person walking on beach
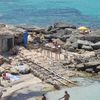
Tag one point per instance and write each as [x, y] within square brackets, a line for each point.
[66, 96]
[44, 97]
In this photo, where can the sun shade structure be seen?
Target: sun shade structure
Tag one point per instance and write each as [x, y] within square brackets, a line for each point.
[83, 28]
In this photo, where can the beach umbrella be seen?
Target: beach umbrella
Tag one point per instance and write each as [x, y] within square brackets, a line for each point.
[83, 28]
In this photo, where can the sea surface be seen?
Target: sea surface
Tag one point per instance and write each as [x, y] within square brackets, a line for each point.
[45, 12]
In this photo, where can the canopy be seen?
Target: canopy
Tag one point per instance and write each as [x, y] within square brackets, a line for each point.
[83, 28]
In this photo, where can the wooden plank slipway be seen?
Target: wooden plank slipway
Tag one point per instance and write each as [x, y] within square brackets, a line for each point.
[51, 76]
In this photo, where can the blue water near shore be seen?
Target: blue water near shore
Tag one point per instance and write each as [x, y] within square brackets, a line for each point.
[44, 12]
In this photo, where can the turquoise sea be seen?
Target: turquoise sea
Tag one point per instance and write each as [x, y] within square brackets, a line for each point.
[44, 12]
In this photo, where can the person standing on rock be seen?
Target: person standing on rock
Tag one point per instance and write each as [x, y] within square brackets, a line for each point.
[25, 38]
[66, 96]
[44, 97]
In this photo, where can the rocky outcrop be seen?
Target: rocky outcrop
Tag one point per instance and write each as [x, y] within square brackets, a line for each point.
[96, 45]
[63, 26]
[69, 38]
[87, 47]
[90, 67]
[31, 28]
[98, 68]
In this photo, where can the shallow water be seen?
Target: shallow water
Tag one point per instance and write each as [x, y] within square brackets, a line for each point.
[44, 12]
[87, 90]
[90, 90]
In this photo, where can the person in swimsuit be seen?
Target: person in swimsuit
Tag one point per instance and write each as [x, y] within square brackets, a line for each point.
[66, 96]
[44, 97]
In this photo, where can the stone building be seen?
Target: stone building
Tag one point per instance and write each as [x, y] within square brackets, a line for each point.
[8, 36]
[6, 40]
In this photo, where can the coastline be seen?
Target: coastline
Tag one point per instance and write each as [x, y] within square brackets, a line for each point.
[35, 91]
[33, 86]
[72, 62]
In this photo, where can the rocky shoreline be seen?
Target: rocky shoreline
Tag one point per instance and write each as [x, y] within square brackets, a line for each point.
[58, 52]
[70, 39]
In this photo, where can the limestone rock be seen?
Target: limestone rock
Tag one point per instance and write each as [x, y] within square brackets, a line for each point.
[1, 70]
[98, 73]
[85, 47]
[49, 28]
[96, 45]
[84, 42]
[14, 71]
[68, 31]
[2, 25]
[78, 66]
[66, 62]
[89, 70]
[91, 64]
[71, 49]
[63, 25]
[98, 68]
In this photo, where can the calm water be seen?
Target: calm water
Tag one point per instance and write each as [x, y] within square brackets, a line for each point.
[44, 12]
[90, 90]
[87, 90]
